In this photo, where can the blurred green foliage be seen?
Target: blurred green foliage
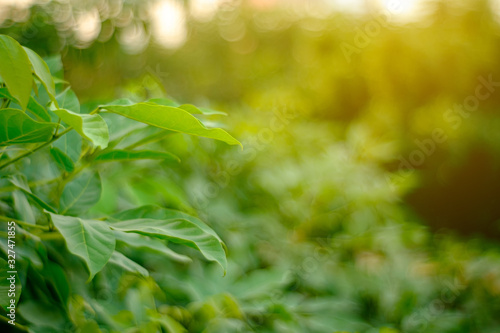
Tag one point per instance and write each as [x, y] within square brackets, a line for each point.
[328, 224]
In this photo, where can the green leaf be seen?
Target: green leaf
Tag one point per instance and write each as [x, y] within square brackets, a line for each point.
[42, 72]
[5, 285]
[91, 240]
[22, 207]
[21, 183]
[80, 194]
[170, 118]
[17, 127]
[163, 101]
[55, 275]
[42, 316]
[151, 244]
[196, 110]
[169, 323]
[62, 159]
[15, 69]
[127, 264]
[70, 144]
[160, 213]
[4, 93]
[188, 107]
[39, 111]
[178, 231]
[124, 155]
[91, 127]
[68, 100]
[56, 67]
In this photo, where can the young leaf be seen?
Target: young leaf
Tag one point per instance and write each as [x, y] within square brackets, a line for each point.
[62, 159]
[80, 194]
[92, 127]
[171, 118]
[127, 264]
[42, 72]
[91, 240]
[15, 70]
[178, 231]
[17, 127]
[124, 155]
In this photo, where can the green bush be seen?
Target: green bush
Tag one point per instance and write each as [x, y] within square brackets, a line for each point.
[53, 155]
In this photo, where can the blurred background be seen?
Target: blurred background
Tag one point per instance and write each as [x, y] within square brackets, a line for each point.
[367, 197]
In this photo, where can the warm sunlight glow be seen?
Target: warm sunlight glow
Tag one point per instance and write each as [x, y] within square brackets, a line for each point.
[88, 26]
[495, 7]
[203, 10]
[403, 9]
[168, 23]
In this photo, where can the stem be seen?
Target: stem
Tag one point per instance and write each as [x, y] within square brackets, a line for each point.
[23, 224]
[31, 184]
[152, 138]
[54, 138]
[96, 110]
[115, 142]
[50, 236]
[18, 326]
[5, 103]
[57, 128]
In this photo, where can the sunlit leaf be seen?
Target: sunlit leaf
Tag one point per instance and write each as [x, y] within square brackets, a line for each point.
[15, 69]
[42, 71]
[187, 107]
[91, 127]
[171, 118]
[198, 110]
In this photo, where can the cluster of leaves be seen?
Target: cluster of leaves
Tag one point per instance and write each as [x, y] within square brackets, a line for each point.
[320, 242]
[52, 154]
[281, 56]
[319, 235]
